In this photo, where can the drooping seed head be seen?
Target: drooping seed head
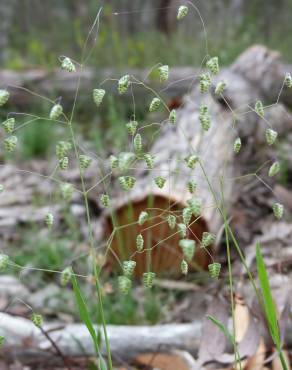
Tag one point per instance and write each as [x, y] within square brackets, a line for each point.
[195, 204]
[188, 247]
[138, 143]
[259, 108]
[64, 163]
[123, 84]
[182, 229]
[213, 65]
[132, 127]
[98, 95]
[182, 12]
[67, 191]
[4, 261]
[160, 181]
[56, 111]
[143, 217]
[104, 200]
[4, 97]
[171, 220]
[149, 160]
[49, 220]
[125, 160]
[148, 279]
[207, 239]
[191, 161]
[37, 319]
[187, 215]
[127, 182]
[278, 210]
[271, 136]
[154, 105]
[66, 275]
[163, 73]
[237, 145]
[205, 82]
[172, 117]
[84, 161]
[214, 270]
[288, 80]
[62, 148]
[139, 242]
[128, 268]
[9, 125]
[10, 143]
[125, 284]
[192, 186]
[68, 65]
[114, 162]
[220, 87]
[274, 169]
[184, 267]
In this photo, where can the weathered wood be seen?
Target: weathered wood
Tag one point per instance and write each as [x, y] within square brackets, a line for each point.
[74, 340]
[246, 83]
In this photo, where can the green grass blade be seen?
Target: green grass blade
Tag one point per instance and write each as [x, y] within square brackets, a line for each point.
[83, 312]
[268, 303]
[222, 328]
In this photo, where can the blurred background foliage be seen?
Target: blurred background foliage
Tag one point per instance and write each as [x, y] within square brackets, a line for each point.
[35, 33]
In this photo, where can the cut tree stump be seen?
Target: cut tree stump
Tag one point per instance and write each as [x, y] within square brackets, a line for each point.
[246, 83]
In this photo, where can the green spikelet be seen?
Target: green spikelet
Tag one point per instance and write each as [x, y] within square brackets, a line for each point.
[182, 230]
[139, 242]
[220, 87]
[68, 65]
[128, 268]
[98, 95]
[271, 136]
[192, 186]
[4, 97]
[188, 247]
[143, 217]
[62, 149]
[138, 143]
[84, 161]
[163, 73]
[207, 239]
[172, 117]
[149, 160]
[64, 163]
[182, 12]
[9, 125]
[1, 188]
[278, 210]
[127, 182]
[56, 111]
[132, 127]
[49, 220]
[160, 181]
[154, 105]
[191, 161]
[37, 319]
[274, 169]
[213, 65]
[205, 82]
[187, 215]
[184, 267]
[104, 200]
[123, 84]
[66, 275]
[195, 204]
[204, 117]
[259, 108]
[288, 80]
[237, 145]
[4, 261]
[10, 143]
[214, 270]
[67, 191]
[125, 284]
[114, 162]
[171, 220]
[148, 279]
[125, 160]
[2, 339]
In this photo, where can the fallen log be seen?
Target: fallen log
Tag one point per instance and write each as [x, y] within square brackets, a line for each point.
[246, 84]
[27, 342]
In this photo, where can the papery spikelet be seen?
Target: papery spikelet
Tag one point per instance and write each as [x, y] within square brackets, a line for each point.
[149, 160]
[148, 279]
[237, 145]
[278, 210]
[172, 117]
[220, 87]
[143, 217]
[163, 73]
[139, 242]
[184, 267]
[213, 65]
[10, 143]
[191, 161]
[195, 204]
[49, 220]
[132, 127]
[182, 12]
[214, 270]
[37, 319]
[68, 65]
[154, 105]
[98, 95]
[127, 182]
[188, 247]
[271, 136]
[4, 261]
[64, 163]
[182, 230]
[171, 220]
[187, 215]
[56, 111]
[274, 169]
[128, 268]
[125, 284]
[104, 200]
[192, 186]
[84, 161]
[123, 84]
[207, 239]
[259, 108]
[4, 97]
[9, 125]
[67, 191]
[288, 80]
[66, 275]
[62, 148]
[160, 181]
